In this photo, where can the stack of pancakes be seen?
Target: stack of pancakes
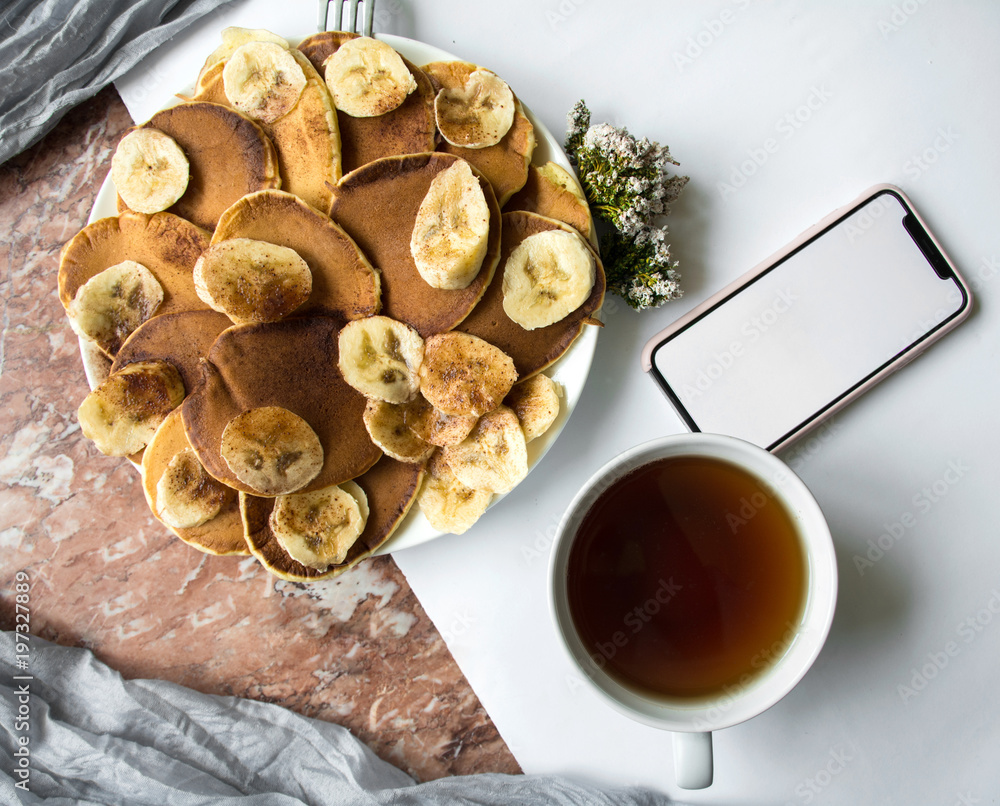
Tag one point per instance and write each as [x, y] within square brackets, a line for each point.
[343, 192]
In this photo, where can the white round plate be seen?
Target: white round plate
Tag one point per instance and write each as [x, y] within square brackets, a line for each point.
[570, 371]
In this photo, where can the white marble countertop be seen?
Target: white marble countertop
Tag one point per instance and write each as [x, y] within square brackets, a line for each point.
[779, 113]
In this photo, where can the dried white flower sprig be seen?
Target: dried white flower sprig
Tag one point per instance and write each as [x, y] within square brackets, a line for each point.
[629, 184]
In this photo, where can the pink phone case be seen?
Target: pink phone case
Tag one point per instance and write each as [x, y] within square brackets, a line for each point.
[898, 363]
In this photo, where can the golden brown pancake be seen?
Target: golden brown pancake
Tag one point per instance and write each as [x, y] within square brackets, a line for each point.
[550, 191]
[344, 283]
[164, 243]
[391, 488]
[183, 338]
[505, 164]
[407, 129]
[377, 206]
[229, 155]
[306, 140]
[532, 350]
[223, 534]
[292, 364]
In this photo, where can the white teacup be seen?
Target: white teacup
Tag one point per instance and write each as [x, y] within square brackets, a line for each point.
[693, 720]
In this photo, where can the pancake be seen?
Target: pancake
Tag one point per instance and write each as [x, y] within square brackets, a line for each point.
[552, 192]
[505, 164]
[306, 140]
[223, 534]
[377, 206]
[532, 350]
[391, 488]
[229, 154]
[292, 364]
[182, 338]
[164, 243]
[407, 129]
[344, 283]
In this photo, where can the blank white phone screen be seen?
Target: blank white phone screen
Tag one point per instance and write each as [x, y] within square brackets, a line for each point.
[805, 333]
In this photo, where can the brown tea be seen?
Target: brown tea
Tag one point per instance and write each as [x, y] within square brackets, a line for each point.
[686, 578]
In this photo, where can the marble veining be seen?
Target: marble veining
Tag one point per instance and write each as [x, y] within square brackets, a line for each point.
[358, 650]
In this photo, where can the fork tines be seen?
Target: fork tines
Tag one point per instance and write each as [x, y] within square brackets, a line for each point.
[351, 23]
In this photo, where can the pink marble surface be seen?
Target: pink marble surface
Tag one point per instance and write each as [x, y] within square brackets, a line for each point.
[358, 650]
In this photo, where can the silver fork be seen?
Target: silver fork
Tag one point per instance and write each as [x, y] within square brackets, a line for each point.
[351, 23]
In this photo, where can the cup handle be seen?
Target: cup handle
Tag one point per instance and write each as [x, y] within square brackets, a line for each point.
[693, 760]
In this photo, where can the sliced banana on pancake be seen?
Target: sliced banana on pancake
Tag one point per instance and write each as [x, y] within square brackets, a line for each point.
[504, 164]
[272, 450]
[191, 492]
[381, 357]
[229, 155]
[186, 496]
[536, 403]
[494, 457]
[449, 505]
[532, 350]
[165, 244]
[548, 276]
[114, 303]
[233, 38]
[252, 281]
[318, 529]
[452, 228]
[386, 425]
[344, 282]
[149, 170]
[434, 426]
[407, 129]
[377, 206]
[465, 375]
[263, 80]
[477, 114]
[367, 78]
[121, 414]
[390, 488]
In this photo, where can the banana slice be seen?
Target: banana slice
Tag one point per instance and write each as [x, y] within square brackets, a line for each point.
[149, 170]
[387, 428]
[367, 78]
[113, 303]
[319, 528]
[494, 456]
[380, 358]
[435, 427]
[121, 415]
[536, 404]
[233, 38]
[452, 228]
[263, 81]
[462, 374]
[478, 114]
[548, 276]
[449, 505]
[252, 281]
[186, 496]
[272, 450]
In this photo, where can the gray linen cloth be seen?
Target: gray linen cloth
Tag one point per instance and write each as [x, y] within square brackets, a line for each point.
[55, 54]
[93, 737]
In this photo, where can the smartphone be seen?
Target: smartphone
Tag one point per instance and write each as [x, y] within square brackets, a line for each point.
[810, 329]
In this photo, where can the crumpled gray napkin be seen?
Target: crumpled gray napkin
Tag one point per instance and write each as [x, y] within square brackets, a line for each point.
[93, 737]
[54, 54]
